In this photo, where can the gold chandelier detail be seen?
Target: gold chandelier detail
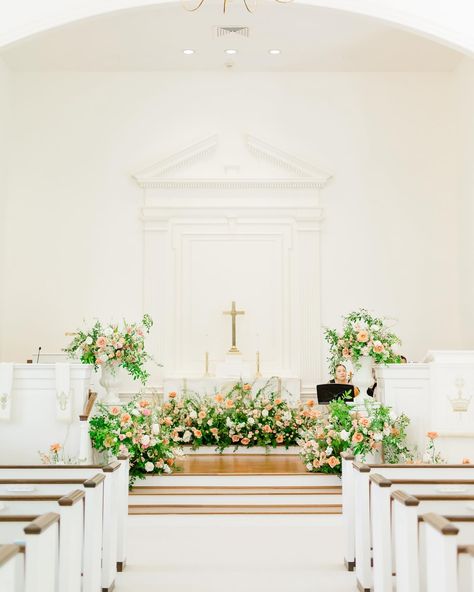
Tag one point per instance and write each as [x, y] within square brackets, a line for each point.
[226, 2]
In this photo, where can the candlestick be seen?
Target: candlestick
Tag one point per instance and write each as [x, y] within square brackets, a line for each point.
[206, 365]
[258, 374]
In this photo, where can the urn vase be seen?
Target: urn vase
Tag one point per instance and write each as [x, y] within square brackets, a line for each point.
[363, 378]
[111, 379]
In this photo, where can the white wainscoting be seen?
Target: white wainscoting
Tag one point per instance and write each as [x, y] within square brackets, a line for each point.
[256, 241]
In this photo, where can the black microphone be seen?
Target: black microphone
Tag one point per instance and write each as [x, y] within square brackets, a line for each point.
[38, 356]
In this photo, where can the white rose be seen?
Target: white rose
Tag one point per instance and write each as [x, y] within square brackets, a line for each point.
[187, 436]
[264, 413]
[250, 420]
[344, 435]
[166, 468]
[309, 466]
[108, 331]
[155, 429]
[145, 440]
[378, 437]
[329, 451]
[193, 414]
[210, 422]
[149, 466]
[229, 423]
[89, 340]
[135, 412]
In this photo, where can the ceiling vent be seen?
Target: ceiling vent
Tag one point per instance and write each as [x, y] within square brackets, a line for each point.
[224, 31]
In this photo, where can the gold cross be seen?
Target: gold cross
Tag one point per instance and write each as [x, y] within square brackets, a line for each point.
[233, 312]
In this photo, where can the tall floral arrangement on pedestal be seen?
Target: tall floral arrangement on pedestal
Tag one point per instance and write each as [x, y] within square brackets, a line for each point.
[134, 429]
[362, 335]
[114, 346]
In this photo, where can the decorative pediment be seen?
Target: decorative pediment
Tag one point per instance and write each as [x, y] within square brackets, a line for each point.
[209, 164]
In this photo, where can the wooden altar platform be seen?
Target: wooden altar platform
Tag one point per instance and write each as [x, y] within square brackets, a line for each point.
[252, 484]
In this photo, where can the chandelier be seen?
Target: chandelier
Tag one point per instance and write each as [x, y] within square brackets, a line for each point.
[226, 2]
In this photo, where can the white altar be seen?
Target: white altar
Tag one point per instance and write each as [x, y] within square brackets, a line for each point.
[437, 396]
[40, 404]
[289, 387]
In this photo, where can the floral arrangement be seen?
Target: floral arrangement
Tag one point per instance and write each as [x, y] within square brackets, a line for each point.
[431, 455]
[374, 429]
[236, 418]
[57, 456]
[115, 346]
[135, 429]
[362, 335]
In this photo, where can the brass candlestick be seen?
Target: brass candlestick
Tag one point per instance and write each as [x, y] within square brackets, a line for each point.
[206, 365]
[258, 374]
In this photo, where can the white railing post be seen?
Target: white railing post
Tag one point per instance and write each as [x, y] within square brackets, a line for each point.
[93, 520]
[348, 509]
[41, 550]
[71, 509]
[362, 527]
[123, 512]
[112, 500]
[441, 554]
[85, 444]
[8, 568]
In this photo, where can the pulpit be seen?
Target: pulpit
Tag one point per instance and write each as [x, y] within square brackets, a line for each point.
[40, 404]
[436, 395]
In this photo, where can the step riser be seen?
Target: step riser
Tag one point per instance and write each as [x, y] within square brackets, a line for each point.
[242, 481]
[208, 500]
[273, 509]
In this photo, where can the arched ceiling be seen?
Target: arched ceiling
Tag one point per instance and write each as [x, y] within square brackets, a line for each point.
[448, 22]
[153, 38]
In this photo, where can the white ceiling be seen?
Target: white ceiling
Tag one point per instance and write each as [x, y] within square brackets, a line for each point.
[153, 38]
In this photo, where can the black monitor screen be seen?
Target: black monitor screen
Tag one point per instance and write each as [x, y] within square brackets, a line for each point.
[329, 392]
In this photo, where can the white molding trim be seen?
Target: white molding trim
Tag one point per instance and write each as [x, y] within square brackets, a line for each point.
[307, 176]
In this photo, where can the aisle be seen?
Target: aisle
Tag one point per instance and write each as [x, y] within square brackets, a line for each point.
[278, 553]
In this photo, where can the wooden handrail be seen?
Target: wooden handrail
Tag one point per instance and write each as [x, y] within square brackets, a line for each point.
[361, 467]
[25, 497]
[41, 523]
[71, 498]
[466, 549]
[95, 480]
[405, 498]
[7, 552]
[380, 480]
[111, 467]
[419, 466]
[440, 523]
[88, 407]
[92, 482]
[49, 467]
[347, 456]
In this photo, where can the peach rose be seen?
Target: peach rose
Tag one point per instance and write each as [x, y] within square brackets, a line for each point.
[310, 403]
[466, 461]
[280, 438]
[56, 447]
[214, 431]
[197, 433]
[235, 438]
[218, 398]
[432, 435]
[247, 387]
[202, 414]
[267, 429]
[115, 410]
[144, 403]
[333, 461]
[363, 336]
[229, 403]
[101, 341]
[316, 464]
[364, 422]
[172, 395]
[357, 437]
[168, 421]
[378, 347]
[125, 418]
[278, 401]
[245, 441]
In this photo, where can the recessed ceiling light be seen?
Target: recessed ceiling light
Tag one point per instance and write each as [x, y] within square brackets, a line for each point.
[274, 51]
[188, 51]
[230, 51]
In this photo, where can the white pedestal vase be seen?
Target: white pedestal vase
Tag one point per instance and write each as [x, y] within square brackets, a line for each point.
[111, 379]
[363, 378]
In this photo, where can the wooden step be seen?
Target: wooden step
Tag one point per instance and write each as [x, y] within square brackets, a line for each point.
[235, 509]
[237, 490]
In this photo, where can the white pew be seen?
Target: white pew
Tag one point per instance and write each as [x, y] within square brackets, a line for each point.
[112, 500]
[70, 508]
[443, 537]
[347, 478]
[381, 518]
[362, 493]
[407, 527]
[41, 549]
[9, 558]
[93, 507]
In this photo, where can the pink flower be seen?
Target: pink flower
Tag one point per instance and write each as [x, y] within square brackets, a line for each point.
[115, 410]
[122, 436]
[235, 438]
[146, 412]
[101, 341]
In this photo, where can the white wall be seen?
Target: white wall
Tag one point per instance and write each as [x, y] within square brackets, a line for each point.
[389, 240]
[4, 137]
[464, 93]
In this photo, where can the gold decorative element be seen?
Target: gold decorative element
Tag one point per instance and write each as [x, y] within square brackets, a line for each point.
[460, 404]
[226, 2]
[258, 374]
[206, 365]
[233, 313]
